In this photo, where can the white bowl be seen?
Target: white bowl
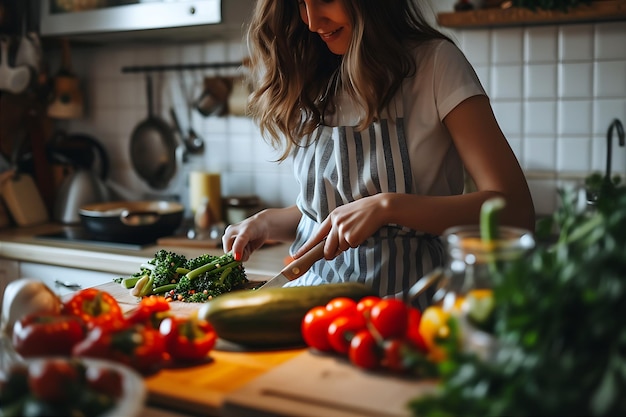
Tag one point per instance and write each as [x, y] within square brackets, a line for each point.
[132, 401]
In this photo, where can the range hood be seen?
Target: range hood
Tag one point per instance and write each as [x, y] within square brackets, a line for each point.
[151, 20]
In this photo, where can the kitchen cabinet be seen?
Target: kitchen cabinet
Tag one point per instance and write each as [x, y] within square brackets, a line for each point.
[597, 11]
[64, 280]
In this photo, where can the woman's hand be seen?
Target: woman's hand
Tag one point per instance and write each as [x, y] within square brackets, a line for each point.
[349, 225]
[249, 235]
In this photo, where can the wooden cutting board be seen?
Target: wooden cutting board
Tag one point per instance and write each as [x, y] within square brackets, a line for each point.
[313, 385]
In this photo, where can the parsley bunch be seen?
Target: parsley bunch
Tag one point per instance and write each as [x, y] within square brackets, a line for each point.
[559, 322]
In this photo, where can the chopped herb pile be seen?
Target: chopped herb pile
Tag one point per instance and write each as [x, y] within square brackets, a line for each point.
[191, 280]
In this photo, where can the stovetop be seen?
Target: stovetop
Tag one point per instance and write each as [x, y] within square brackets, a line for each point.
[77, 234]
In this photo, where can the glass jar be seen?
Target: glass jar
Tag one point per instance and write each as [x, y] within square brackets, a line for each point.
[471, 261]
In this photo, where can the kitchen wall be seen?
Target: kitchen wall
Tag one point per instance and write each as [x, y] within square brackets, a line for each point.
[555, 89]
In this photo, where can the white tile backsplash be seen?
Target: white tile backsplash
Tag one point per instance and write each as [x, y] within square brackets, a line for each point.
[540, 81]
[575, 80]
[541, 44]
[610, 78]
[576, 42]
[610, 41]
[540, 119]
[554, 90]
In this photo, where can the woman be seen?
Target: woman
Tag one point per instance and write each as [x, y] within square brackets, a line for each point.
[381, 114]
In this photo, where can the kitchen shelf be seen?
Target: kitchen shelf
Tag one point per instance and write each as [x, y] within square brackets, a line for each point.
[602, 10]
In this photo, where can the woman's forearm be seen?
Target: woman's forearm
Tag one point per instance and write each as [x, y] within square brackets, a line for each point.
[433, 214]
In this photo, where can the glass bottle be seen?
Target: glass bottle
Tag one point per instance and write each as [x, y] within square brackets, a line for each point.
[471, 261]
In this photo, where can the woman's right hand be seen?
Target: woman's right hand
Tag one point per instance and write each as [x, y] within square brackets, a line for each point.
[245, 237]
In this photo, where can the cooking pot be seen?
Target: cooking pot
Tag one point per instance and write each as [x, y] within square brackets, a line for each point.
[131, 221]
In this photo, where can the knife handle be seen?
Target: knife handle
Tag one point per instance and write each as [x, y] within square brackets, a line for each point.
[299, 266]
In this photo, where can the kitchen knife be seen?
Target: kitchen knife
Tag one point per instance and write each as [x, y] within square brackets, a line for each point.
[297, 267]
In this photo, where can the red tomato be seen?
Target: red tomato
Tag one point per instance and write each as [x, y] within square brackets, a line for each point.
[364, 306]
[390, 318]
[342, 329]
[341, 305]
[413, 334]
[363, 350]
[51, 380]
[105, 381]
[393, 355]
[315, 327]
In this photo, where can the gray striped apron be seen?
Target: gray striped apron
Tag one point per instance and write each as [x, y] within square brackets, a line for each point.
[343, 165]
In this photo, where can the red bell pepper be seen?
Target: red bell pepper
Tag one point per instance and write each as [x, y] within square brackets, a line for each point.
[188, 339]
[150, 311]
[138, 346]
[95, 308]
[43, 334]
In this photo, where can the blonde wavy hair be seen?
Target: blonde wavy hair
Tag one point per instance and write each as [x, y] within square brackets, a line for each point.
[294, 75]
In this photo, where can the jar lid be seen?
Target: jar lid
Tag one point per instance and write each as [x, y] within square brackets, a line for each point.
[242, 201]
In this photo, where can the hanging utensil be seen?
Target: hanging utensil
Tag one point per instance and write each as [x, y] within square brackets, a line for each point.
[14, 80]
[153, 147]
[192, 141]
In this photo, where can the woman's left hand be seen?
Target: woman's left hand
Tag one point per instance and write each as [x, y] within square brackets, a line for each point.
[348, 226]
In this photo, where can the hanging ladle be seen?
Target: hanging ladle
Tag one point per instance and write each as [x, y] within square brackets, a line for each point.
[194, 144]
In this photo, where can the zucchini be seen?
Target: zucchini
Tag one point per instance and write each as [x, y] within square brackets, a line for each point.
[272, 317]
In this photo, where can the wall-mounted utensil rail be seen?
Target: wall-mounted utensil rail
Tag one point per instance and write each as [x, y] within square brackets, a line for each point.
[182, 67]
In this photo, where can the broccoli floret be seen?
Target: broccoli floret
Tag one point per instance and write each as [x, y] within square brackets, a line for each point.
[166, 267]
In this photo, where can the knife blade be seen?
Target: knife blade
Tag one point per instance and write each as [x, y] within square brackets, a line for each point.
[297, 267]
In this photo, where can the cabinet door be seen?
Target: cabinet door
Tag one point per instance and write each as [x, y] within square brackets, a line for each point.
[63, 280]
[8, 272]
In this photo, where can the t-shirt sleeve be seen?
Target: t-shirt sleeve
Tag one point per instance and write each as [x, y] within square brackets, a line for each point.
[454, 78]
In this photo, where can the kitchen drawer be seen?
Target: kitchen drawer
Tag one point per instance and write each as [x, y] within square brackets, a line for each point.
[64, 280]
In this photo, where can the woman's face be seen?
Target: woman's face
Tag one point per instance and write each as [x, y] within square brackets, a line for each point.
[330, 20]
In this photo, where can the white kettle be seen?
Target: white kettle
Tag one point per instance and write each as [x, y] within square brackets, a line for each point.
[86, 183]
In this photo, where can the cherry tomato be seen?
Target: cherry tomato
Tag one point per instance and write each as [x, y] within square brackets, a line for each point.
[413, 334]
[363, 350]
[315, 327]
[341, 305]
[393, 356]
[52, 380]
[342, 329]
[105, 381]
[364, 306]
[390, 318]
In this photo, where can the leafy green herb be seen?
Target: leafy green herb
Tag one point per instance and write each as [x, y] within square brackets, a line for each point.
[559, 324]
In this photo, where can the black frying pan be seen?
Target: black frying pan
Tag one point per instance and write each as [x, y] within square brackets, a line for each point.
[153, 147]
[131, 221]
